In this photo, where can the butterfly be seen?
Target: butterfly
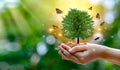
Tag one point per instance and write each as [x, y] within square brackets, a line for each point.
[55, 27]
[98, 15]
[90, 8]
[58, 11]
[102, 23]
[97, 38]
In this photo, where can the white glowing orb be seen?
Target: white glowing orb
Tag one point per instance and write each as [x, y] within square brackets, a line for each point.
[12, 3]
[41, 48]
[109, 4]
[12, 46]
[95, 1]
[50, 39]
[2, 5]
[35, 58]
[8, 4]
[109, 17]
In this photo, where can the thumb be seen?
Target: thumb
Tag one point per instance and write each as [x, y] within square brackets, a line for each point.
[79, 48]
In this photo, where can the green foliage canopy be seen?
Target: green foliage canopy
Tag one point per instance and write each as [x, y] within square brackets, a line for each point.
[77, 24]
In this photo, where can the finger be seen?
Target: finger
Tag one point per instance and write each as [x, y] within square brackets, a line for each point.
[65, 51]
[71, 44]
[81, 58]
[70, 56]
[63, 56]
[79, 48]
[67, 56]
[59, 47]
[75, 59]
[65, 46]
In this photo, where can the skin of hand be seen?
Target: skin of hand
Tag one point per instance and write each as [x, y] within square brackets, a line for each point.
[81, 53]
[85, 53]
[66, 55]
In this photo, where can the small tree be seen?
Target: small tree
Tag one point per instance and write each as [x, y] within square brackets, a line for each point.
[77, 24]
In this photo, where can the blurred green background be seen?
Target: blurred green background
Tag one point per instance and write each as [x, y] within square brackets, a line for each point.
[29, 42]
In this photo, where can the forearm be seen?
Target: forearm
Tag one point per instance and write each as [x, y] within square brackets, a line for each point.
[112, 55]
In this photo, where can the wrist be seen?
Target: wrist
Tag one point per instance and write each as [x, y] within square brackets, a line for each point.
[108, 53]
[104, 52]
[100, 51]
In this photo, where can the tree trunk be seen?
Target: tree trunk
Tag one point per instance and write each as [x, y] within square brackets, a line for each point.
[78, 40]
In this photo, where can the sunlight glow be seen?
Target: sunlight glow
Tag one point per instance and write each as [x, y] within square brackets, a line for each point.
[51, 29]
[21, 22]
[99, 29]
[59, 34]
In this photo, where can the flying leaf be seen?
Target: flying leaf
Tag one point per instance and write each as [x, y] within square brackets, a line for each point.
[55, 27]
[97, 38]
[102, 23]
[58, 11]
[90, 8]
[98, 15]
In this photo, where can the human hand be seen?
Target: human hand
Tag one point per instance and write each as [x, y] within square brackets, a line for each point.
[83, 54]
[66, 55]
